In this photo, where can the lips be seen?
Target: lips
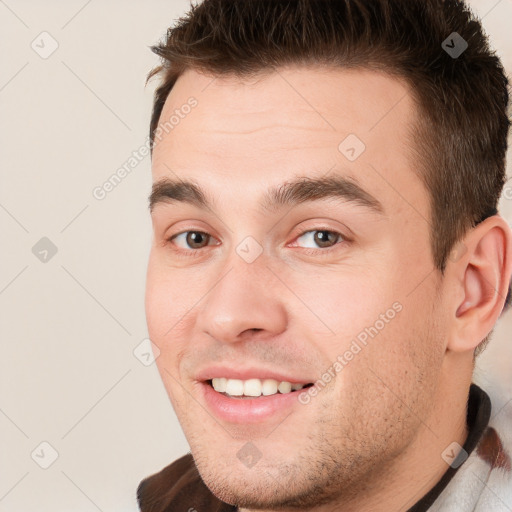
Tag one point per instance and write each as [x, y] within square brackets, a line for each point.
[252, 395]
[240, 373]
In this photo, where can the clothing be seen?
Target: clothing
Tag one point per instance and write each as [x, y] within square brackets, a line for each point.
[483, 483]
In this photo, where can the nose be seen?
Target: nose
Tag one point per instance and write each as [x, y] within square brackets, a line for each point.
[246, 299]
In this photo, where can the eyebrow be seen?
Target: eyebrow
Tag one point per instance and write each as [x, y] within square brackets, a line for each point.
[291, 193]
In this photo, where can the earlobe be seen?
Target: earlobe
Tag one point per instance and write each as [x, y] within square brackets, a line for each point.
[484, 276]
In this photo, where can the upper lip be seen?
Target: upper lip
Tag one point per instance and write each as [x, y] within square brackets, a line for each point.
[239, 372]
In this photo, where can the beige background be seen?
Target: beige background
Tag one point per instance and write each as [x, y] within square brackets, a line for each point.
[69, 327]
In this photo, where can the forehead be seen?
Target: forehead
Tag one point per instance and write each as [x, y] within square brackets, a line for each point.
[248, 135]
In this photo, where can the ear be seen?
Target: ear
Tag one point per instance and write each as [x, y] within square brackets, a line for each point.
[482, 279]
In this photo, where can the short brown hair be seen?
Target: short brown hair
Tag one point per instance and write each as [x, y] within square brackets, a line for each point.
[460, 138]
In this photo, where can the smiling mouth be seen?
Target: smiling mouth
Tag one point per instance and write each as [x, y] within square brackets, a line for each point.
[254, 388]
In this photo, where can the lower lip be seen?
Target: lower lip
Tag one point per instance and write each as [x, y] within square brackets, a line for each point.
[249, 410]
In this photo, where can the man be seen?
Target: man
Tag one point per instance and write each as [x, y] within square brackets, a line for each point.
[327, 258]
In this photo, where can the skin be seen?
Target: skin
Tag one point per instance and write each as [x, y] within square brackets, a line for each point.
[372, 439]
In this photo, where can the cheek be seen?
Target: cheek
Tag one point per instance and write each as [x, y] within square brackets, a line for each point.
[392, 334]
[169, 319]
[406, 356]
[353, 308]
[165, 299]
[392, 380]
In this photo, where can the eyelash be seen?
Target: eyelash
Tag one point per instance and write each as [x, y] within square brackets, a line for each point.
[193, 253]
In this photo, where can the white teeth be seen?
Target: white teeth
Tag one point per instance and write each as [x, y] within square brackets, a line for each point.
[219, 384]
[269, 387]
[253, 387]
[235, 387]
[284, 387]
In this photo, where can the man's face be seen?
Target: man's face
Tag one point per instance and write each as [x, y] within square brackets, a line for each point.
[246, 291]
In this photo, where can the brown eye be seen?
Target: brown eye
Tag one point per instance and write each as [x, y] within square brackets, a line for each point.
[323, 238]
[192, 239]
[196, 238]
